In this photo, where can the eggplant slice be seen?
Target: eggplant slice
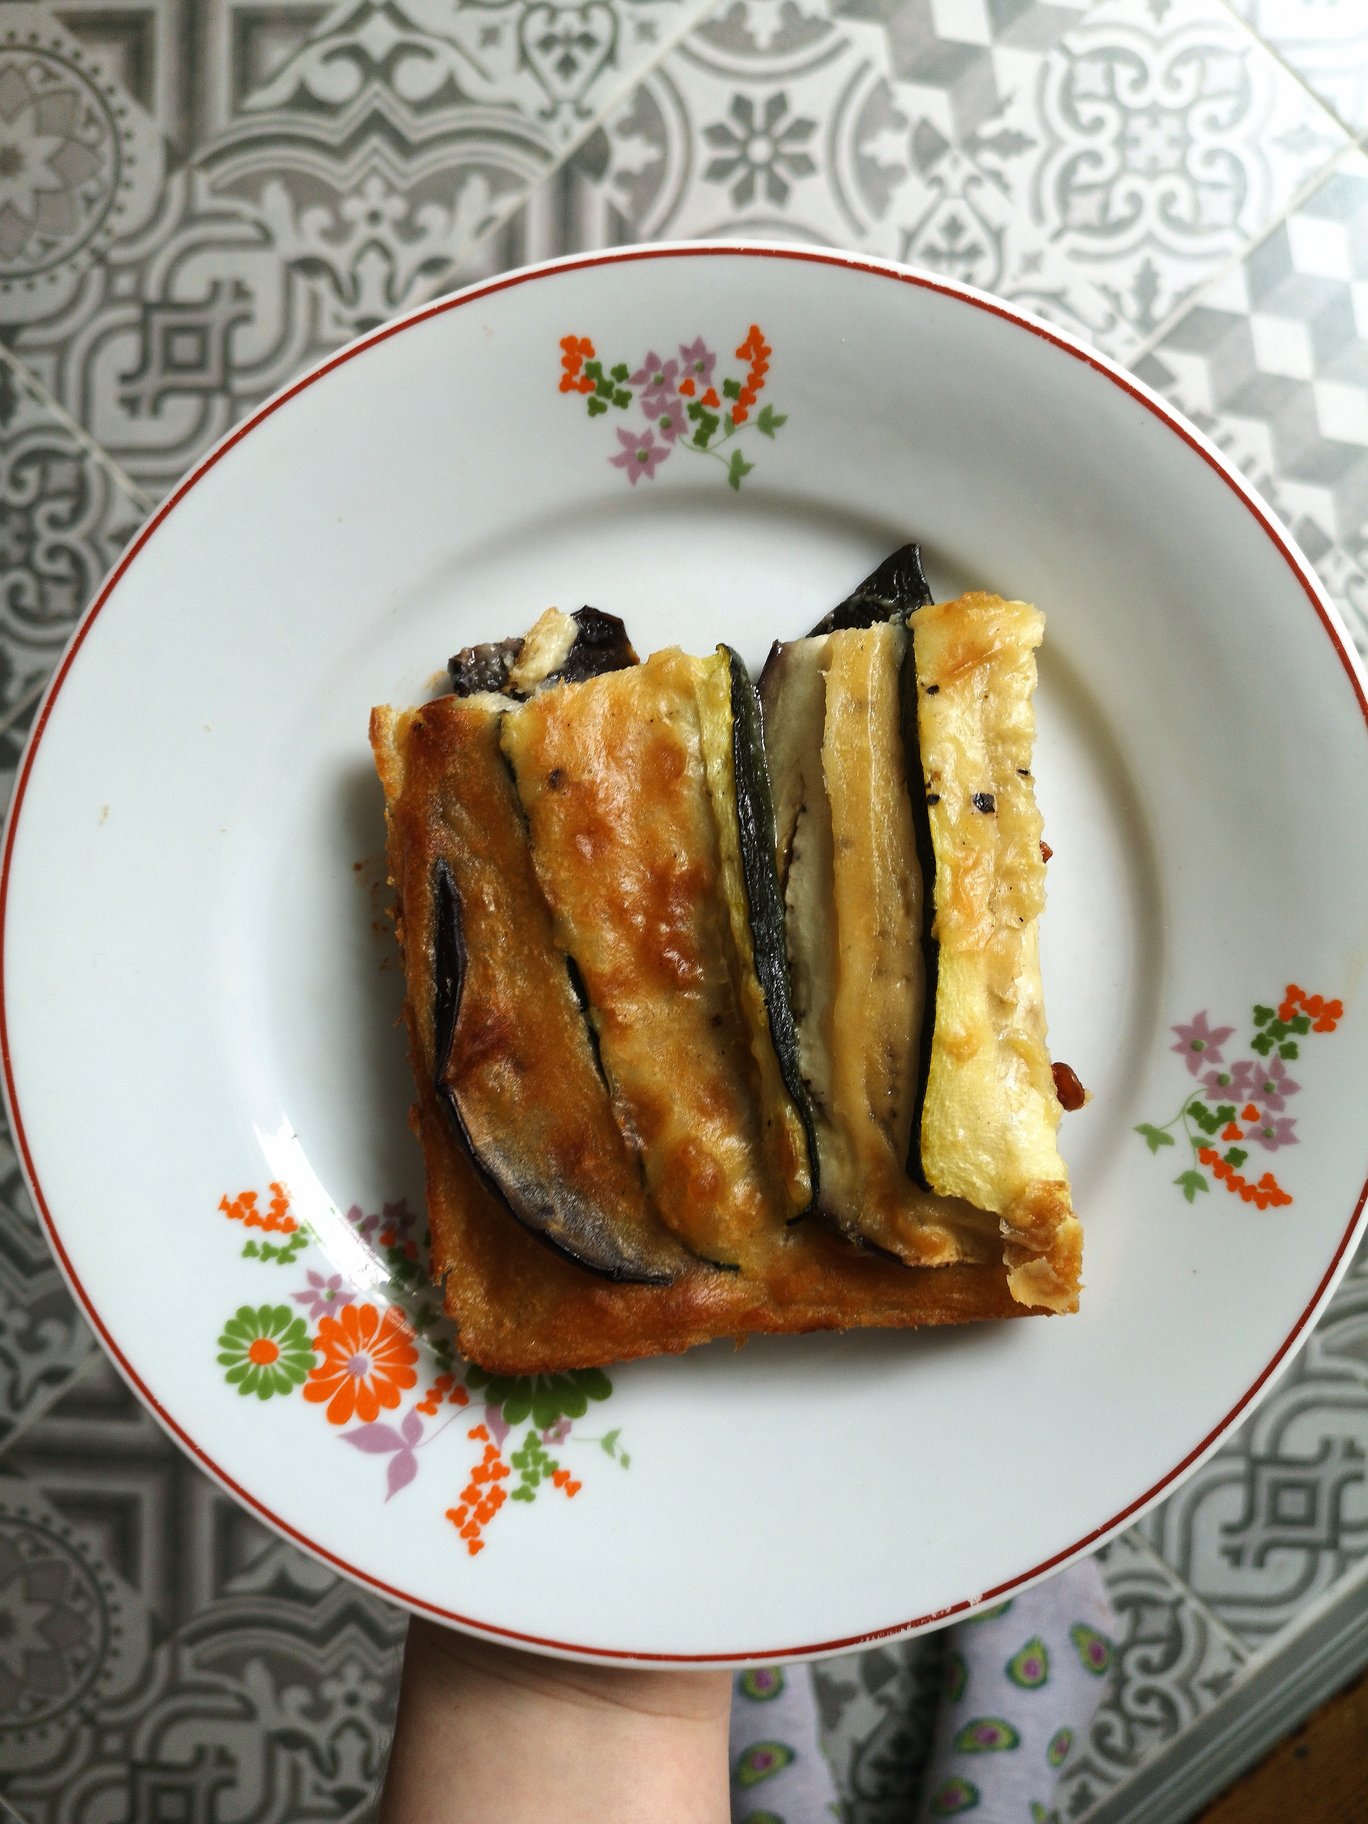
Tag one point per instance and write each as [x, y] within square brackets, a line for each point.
[508, 1050]
[559, 648]
[887, 594]
[612, 776]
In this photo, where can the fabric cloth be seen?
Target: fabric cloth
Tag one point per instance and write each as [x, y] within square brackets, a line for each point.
[1022, 1683]
[779, 1771]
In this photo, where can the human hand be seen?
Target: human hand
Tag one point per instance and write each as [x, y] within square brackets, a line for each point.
[489, 1734]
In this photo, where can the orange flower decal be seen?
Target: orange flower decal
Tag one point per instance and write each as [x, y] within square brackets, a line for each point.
[368, 1361]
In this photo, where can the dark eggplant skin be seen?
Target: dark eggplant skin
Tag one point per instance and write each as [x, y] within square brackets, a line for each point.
[601, 645]
[764, 896]
[555, 1213]
[926, 860]
[887, 594]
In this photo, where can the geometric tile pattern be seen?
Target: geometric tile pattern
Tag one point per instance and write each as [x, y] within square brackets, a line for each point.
[877, 1711]
[1093, 163]
[159, 1650]
[1280, 1513]
[198, 198]
[1273, 361]
[1174, 1661]
[1325, 42]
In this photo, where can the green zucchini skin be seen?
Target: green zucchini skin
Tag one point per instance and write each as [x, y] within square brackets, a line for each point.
[926, 861]
[887, 594]
[764, 897]
[555, 1213]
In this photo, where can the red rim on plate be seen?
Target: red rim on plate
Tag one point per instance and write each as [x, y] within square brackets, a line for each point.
[962, 294]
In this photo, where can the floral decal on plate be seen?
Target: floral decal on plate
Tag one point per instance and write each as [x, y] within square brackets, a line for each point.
[367, 1364]
[1239, 1111]
[682, 404]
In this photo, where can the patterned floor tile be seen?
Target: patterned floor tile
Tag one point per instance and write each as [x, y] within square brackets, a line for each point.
[1273, 362]
[269, 1709]
[1174, 1660]
[106, 1465]
[877, 1711]
[340, 162]
[44, 1340]
[1325, 42]
[64, 516]
[1280, 1513]
[1094, 162]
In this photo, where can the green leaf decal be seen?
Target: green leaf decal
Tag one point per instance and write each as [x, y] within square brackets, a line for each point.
[739, 469]
[1155, 1137]
[1191, 1183]
[769, 421]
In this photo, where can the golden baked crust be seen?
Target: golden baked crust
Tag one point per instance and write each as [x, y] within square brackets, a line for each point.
[584, 823]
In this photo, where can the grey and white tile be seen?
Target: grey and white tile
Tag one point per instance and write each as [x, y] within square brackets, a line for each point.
[1095, 163]
[44, 1340]
[1280, 1513]
[1325, 42]
[877, 1711]
[1272, 361]
[277, 1687]
[351, 156]
[1174, 1660]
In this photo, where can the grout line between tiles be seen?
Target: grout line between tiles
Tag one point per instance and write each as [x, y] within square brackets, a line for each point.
[1296, 75]
[442, 284]
[26, 378]
[1237, 259]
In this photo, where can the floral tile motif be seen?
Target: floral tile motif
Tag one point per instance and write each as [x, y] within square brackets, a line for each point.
[288, 1711]
[1325, 42]
[1174, 1660]
[353, 156]
[173, 1536]
[1280, 1513]
[1272, 361]
[1094, 163]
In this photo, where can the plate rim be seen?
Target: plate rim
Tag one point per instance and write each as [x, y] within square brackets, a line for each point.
[1110, 370]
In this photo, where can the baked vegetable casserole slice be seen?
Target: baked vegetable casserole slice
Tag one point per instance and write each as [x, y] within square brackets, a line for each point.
[724, 1006]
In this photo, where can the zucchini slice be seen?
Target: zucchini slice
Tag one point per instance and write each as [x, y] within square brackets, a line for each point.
[734, 759]
[612, 776]
[990, 1114]
[508, 1050]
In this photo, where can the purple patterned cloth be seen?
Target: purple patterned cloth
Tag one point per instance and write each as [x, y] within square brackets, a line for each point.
[1022, 1683]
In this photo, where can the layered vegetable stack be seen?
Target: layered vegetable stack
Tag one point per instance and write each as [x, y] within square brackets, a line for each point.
[724, 1007]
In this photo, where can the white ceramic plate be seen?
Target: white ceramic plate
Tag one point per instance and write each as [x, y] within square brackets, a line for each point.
[199, 990]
